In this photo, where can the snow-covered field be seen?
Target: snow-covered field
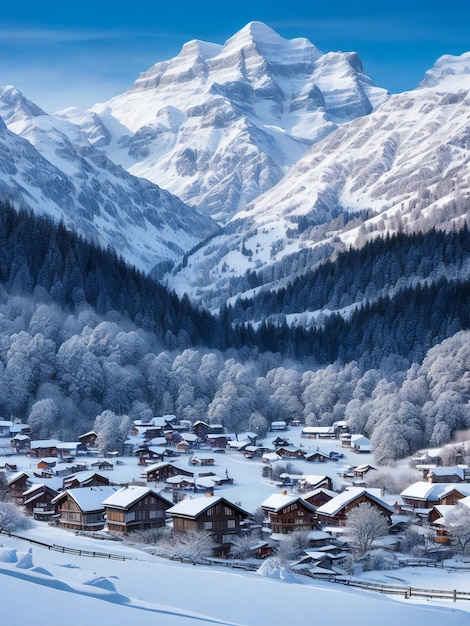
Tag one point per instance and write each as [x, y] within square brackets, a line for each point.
[49, 588]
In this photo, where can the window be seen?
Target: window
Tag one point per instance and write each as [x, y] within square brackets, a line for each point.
[230, 523]
[210, 511]
[130, 516]
[207, 525]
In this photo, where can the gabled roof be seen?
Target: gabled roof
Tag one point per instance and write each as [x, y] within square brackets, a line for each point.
[127, 496]
[339, 502]
[194, 507]
[16, 476]
[463, 488]
[44, 443]
[87, 498]
[424, 490]
[277, 501]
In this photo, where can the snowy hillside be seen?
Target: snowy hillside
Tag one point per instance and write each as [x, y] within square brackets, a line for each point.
[220, 124]
[403, 167]
[47, 165]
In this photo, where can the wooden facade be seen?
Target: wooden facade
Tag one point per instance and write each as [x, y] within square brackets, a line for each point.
[289, 513]
[135, 508]
[82, 508]
[211, 514]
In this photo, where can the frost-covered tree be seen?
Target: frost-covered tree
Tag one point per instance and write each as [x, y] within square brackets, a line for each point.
[190, 546]
[458, 522]
[365, 524]
[112, 430]
[12, 518]
[242, 545]
[44, 418]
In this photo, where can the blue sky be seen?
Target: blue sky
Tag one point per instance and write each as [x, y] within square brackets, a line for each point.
[79, 53]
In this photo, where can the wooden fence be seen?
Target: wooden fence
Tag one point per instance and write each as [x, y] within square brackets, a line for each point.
[66, 550]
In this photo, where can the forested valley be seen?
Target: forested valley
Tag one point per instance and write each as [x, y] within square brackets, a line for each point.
[82, 334]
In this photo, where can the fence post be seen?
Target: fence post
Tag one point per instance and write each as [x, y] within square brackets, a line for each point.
[455, 595]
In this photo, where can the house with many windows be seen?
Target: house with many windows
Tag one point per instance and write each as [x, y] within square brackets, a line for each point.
[289, 512]
[135, 508]
[82, 508]
[213, 514]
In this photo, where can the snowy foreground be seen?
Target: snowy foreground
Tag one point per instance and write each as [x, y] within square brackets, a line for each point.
[48, 588]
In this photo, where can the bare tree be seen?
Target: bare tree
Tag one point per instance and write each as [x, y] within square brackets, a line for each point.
[11, 518]
[364, 524]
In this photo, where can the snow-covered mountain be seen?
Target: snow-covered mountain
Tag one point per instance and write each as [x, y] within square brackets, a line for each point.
[220, 124]
[405, 167]
[48, 165]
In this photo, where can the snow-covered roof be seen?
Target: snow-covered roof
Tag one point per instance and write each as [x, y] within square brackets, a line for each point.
[314, 479]
[88, 498]
[82, 476]
[457, 470]
[314, 492]
[44, 443]
[318, 430]
[424, 490]
[463, 488]
[192, 507]
[16, 476]
[277, 501]
[68, 445]
[333, 506]
[127, 496]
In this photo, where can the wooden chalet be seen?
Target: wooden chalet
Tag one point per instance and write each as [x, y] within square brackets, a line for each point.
[82, 508]
[309, 482]
[102, 465]
[289, 512]
[202, 460]
[421, 495]
[88, 439]
[135, 508]
[217, 440]
[319, 496]
[335, 511]
[453, 493]
[317, 456]
[21, 443]
[213, 514]
[43, 448]
[85, 479]
[201, 429]
[318, 432]
[17, 484]
[278, 425]
[37, 502]
[359, 471]
[160, 472]
[69, 448]
[291, 452]
[456, 474]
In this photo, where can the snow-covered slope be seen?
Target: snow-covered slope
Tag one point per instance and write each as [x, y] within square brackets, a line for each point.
[220, 124]
[405, 166]
[48, 165]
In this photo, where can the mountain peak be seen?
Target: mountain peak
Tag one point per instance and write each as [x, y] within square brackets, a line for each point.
[14, 106]
[452, 73]
[271, 45]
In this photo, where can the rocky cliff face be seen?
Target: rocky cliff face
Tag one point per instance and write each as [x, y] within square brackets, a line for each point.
[218, 125]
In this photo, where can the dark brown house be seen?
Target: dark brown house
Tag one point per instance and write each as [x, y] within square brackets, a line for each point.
[17, 484]
[160, 472]
[289, 512]
[335, 511]
[135, 508]
[82, 508]
[211, 514]
[320, 496]
[85, 479]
